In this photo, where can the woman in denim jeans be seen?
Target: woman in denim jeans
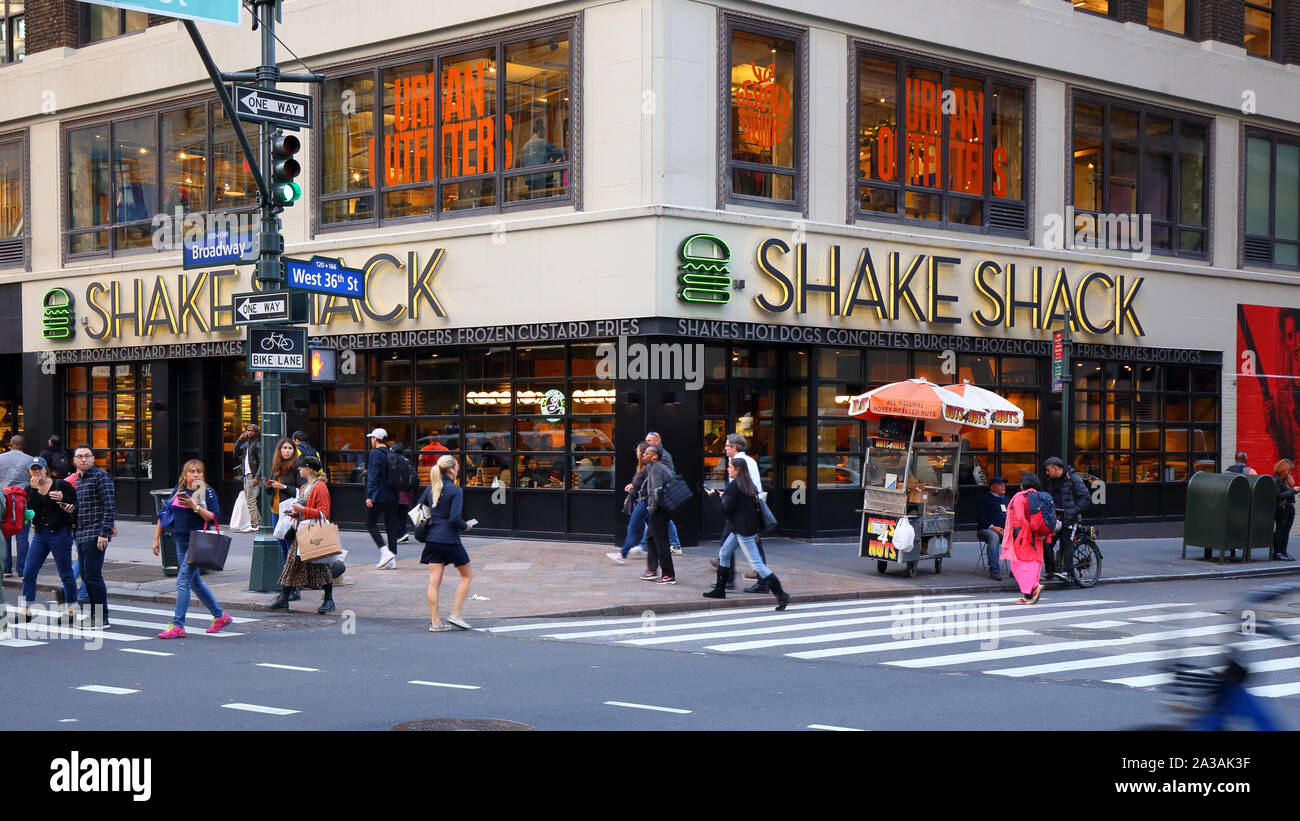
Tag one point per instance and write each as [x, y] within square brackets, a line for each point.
[639, 512]
[740, 506]
[53, 503]
[193, 507]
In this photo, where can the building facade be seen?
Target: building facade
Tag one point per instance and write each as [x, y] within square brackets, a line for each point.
[580, 221]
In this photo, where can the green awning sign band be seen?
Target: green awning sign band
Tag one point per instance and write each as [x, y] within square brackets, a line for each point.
[703, 275]
[223, 12]
[56, 314]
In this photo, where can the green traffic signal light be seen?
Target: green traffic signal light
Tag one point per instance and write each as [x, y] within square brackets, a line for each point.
[284, 191]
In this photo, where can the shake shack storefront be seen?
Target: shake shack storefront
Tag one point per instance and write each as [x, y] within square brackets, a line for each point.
[542, 380]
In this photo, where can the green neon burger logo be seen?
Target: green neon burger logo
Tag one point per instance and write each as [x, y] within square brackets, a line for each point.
[56, 314]
[703, 275]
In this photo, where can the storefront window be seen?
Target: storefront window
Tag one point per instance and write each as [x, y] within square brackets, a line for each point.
[959, 142]
[13, 213]
[456, 132]
[765, 111]
[1138, 164]
[108, 407]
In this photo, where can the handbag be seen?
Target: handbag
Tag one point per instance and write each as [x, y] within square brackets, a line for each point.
[165, 517]
[675, 493]
[208, 551]
[318, 539]
[240, 518]
[769, 519]
[629, 504]
[286, 523]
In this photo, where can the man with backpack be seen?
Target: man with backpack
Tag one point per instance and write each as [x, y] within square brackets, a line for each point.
[57, 458]
[14, 479]
[382, 486]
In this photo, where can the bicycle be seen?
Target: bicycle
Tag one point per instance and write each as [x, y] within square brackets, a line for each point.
[1087, 556]
[277, 340]
[1210, 695]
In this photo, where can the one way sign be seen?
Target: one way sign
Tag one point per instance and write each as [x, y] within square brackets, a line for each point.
[279, 107]
[276, 306]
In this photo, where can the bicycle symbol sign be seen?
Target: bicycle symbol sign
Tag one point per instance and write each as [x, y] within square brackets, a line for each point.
[277, 349]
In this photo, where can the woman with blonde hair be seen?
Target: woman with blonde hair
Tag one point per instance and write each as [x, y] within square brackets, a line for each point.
[442, 545]
[312, 502]
[192, 507]
[1284, 516]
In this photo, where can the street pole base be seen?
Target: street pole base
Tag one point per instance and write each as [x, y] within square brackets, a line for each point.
[264, 575]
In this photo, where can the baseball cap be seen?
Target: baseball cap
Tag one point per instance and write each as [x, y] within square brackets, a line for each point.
[37, 462]
[377, 433]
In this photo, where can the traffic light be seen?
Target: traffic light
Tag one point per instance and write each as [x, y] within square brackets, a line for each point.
[284, 191]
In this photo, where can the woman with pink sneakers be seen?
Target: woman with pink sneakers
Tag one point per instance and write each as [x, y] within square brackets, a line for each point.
[192, 507]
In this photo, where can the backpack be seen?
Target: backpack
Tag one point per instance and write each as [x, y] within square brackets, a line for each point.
[675, 493]
[401, 476]
[15, 514]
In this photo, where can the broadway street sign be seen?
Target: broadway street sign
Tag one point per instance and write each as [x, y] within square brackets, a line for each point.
[221, 248]
[277, 306]
[225, 12]
[324, 275]
[280, 107]
[277, 349]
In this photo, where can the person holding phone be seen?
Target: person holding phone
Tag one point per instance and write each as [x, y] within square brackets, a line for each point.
[442, 544]
[194, 506]
[53, 503]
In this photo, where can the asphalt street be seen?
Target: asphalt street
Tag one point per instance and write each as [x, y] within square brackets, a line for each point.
[1078, 660]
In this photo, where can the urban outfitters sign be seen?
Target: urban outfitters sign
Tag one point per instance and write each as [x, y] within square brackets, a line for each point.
[917, 288]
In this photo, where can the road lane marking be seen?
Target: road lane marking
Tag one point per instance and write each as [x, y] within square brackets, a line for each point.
[155, 611]
[20, 643]
[112, 691]
[1196, 614]
[290, 667]
[257, 708]
[144, 652]
[1126, 658]
[1268, 666]
[445, 684]
[553, 625]
[838, 729]
[153, 625]
[1276, 690]
[635, 706]
[1098, 625]
[886, 646]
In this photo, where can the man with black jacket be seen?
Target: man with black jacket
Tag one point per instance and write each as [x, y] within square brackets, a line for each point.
[248, 452]
[657, 553]
[1072, 498]
[380, 500]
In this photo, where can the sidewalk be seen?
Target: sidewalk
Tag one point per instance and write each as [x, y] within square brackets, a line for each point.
[521, 578]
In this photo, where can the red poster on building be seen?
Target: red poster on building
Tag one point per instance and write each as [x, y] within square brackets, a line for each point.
[1268, 384]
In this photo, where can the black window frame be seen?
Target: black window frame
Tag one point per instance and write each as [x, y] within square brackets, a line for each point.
[728, 23]
[110, 121]
[1179, 119]
[1189, 22]
[16, 252]
[7, 20]
[1111, 12]
[903, 61]
[83, 24]
[499, 40]
[1274, 12]
[1259, 249]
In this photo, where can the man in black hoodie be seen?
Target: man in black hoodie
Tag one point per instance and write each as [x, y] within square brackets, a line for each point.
[1072, 498]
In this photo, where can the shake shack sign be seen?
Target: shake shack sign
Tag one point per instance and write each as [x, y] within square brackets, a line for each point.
[854, 286]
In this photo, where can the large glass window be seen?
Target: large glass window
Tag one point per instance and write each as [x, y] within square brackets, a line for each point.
[110, 407]
[121, 173]
[103, 22]
[1132, 165]
[1258, 37]
[954, 154]
[1169, 15]
[456, 133]
[765, 110]
[13, 31]
[1272, 219]
[13, 213]
[1105, 7]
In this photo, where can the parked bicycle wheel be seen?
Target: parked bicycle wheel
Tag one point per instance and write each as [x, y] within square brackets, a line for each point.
[1087, 562]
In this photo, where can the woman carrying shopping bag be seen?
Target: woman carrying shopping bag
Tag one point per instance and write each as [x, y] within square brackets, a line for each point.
[52, 503]
[442, 545]
[192, 507]
[284, 486]
[312, 504]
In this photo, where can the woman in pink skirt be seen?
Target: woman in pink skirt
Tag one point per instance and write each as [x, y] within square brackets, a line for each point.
[1031, 518]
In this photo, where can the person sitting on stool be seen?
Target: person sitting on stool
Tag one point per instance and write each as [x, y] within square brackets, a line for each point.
[991, 518]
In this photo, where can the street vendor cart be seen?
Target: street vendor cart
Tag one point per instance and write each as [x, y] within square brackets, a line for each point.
[910, 472]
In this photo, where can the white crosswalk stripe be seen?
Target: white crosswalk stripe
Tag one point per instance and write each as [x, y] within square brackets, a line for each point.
[1081, 639]
[46, 627]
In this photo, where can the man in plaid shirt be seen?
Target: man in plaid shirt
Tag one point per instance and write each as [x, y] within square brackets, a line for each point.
[96, 509]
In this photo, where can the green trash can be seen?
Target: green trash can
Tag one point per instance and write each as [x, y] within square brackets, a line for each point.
[1263, 506]
[170, 565]
[1218, 513]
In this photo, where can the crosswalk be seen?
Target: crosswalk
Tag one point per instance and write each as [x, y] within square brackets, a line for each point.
[1127, 644]
[130, 624]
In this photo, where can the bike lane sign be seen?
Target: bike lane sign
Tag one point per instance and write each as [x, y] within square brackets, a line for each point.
[277, 349]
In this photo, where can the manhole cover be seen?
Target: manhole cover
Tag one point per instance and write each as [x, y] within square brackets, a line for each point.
[294, 621]
[462, 724]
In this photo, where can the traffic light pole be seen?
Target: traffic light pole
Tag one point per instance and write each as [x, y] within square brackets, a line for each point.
[264, 575]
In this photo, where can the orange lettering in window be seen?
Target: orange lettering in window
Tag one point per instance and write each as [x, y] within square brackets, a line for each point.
[763, 108]
[886, 148]
[999, 172]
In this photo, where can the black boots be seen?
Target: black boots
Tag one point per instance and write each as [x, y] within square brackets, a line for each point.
[281, 601]
[719, 590]
[782, 598]
[760, 586]
[327, 603]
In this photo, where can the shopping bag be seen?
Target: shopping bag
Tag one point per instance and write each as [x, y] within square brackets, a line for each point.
[318, 540]
[337, 558]
[286, 523]
[208, 550]
[240, 518]
[419, 514]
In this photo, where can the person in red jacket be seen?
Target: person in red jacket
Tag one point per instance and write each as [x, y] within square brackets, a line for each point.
[312, 502]
[1031, 518]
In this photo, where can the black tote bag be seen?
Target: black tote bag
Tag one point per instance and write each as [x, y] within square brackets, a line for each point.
[208, 551]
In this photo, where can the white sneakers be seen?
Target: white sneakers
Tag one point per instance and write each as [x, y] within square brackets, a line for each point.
[387, 559]
[249, 529]
[636, 551]
[616, 557]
